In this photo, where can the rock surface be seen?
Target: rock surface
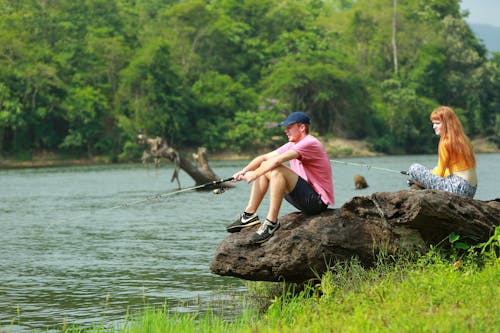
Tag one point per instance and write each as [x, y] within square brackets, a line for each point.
[305, 246]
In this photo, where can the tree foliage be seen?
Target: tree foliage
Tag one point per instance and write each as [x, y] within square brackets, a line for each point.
[86, 77]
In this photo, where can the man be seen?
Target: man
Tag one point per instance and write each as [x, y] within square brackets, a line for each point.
[306, 184]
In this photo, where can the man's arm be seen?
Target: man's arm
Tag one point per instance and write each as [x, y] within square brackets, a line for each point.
[268, 162]
[254, 164]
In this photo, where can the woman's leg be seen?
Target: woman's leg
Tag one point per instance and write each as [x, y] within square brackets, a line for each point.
[461, 186]
[424, 176]
[452, 183]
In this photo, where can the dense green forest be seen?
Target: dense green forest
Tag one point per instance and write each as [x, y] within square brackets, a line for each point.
[86, 76]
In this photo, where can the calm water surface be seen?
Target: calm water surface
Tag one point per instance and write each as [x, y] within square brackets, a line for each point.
[83, 245]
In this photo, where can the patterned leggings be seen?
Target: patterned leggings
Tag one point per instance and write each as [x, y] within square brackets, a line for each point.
[452, 183]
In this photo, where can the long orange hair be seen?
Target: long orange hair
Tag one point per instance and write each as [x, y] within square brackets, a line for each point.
[452, 135]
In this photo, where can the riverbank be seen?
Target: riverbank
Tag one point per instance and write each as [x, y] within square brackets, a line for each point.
[44, 159]
[335, 147]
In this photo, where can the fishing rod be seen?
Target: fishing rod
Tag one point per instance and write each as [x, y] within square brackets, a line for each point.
[369, 167]
[215, 183]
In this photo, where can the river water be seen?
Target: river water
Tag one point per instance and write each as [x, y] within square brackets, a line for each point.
[84, 245]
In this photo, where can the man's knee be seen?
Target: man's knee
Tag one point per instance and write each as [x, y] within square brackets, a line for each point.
[283, 173]
[284, 176]
[276, 173]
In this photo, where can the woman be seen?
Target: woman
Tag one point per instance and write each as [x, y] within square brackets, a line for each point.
[456, 169]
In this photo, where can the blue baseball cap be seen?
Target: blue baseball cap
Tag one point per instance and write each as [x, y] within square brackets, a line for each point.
[296, 117]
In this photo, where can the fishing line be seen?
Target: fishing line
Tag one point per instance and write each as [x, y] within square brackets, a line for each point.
[370, 167]
[158, 196]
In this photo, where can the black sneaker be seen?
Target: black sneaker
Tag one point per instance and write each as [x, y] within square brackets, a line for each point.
[266, 230]
[243, 221]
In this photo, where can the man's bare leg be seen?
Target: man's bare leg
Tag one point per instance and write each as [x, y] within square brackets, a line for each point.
[282, 180]
[259, 189]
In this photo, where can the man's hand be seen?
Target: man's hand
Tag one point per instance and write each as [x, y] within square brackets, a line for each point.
[239, 175]
[249, 176]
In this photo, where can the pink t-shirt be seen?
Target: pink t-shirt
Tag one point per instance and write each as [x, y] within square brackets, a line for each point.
[313, 165]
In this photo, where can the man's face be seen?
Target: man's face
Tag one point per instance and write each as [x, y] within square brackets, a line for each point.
[294, 132]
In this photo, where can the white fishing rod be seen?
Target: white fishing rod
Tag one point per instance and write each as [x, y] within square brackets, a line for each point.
[369, 167]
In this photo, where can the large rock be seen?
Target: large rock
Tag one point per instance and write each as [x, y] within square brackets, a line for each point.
[305, 246]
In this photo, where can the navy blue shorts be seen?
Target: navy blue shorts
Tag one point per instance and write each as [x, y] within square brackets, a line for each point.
[304, 198]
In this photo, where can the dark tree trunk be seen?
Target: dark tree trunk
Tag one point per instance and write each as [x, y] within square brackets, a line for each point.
[159, 149]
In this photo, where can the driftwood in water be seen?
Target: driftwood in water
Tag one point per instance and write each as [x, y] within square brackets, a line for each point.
[392, 222]
[159, 148]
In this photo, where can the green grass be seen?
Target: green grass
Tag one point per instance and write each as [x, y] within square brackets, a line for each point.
[435, 297]
[455, 291]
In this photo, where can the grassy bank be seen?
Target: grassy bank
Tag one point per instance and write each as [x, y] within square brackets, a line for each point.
[457, 291]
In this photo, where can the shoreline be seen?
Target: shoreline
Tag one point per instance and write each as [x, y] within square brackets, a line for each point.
[335, 147]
